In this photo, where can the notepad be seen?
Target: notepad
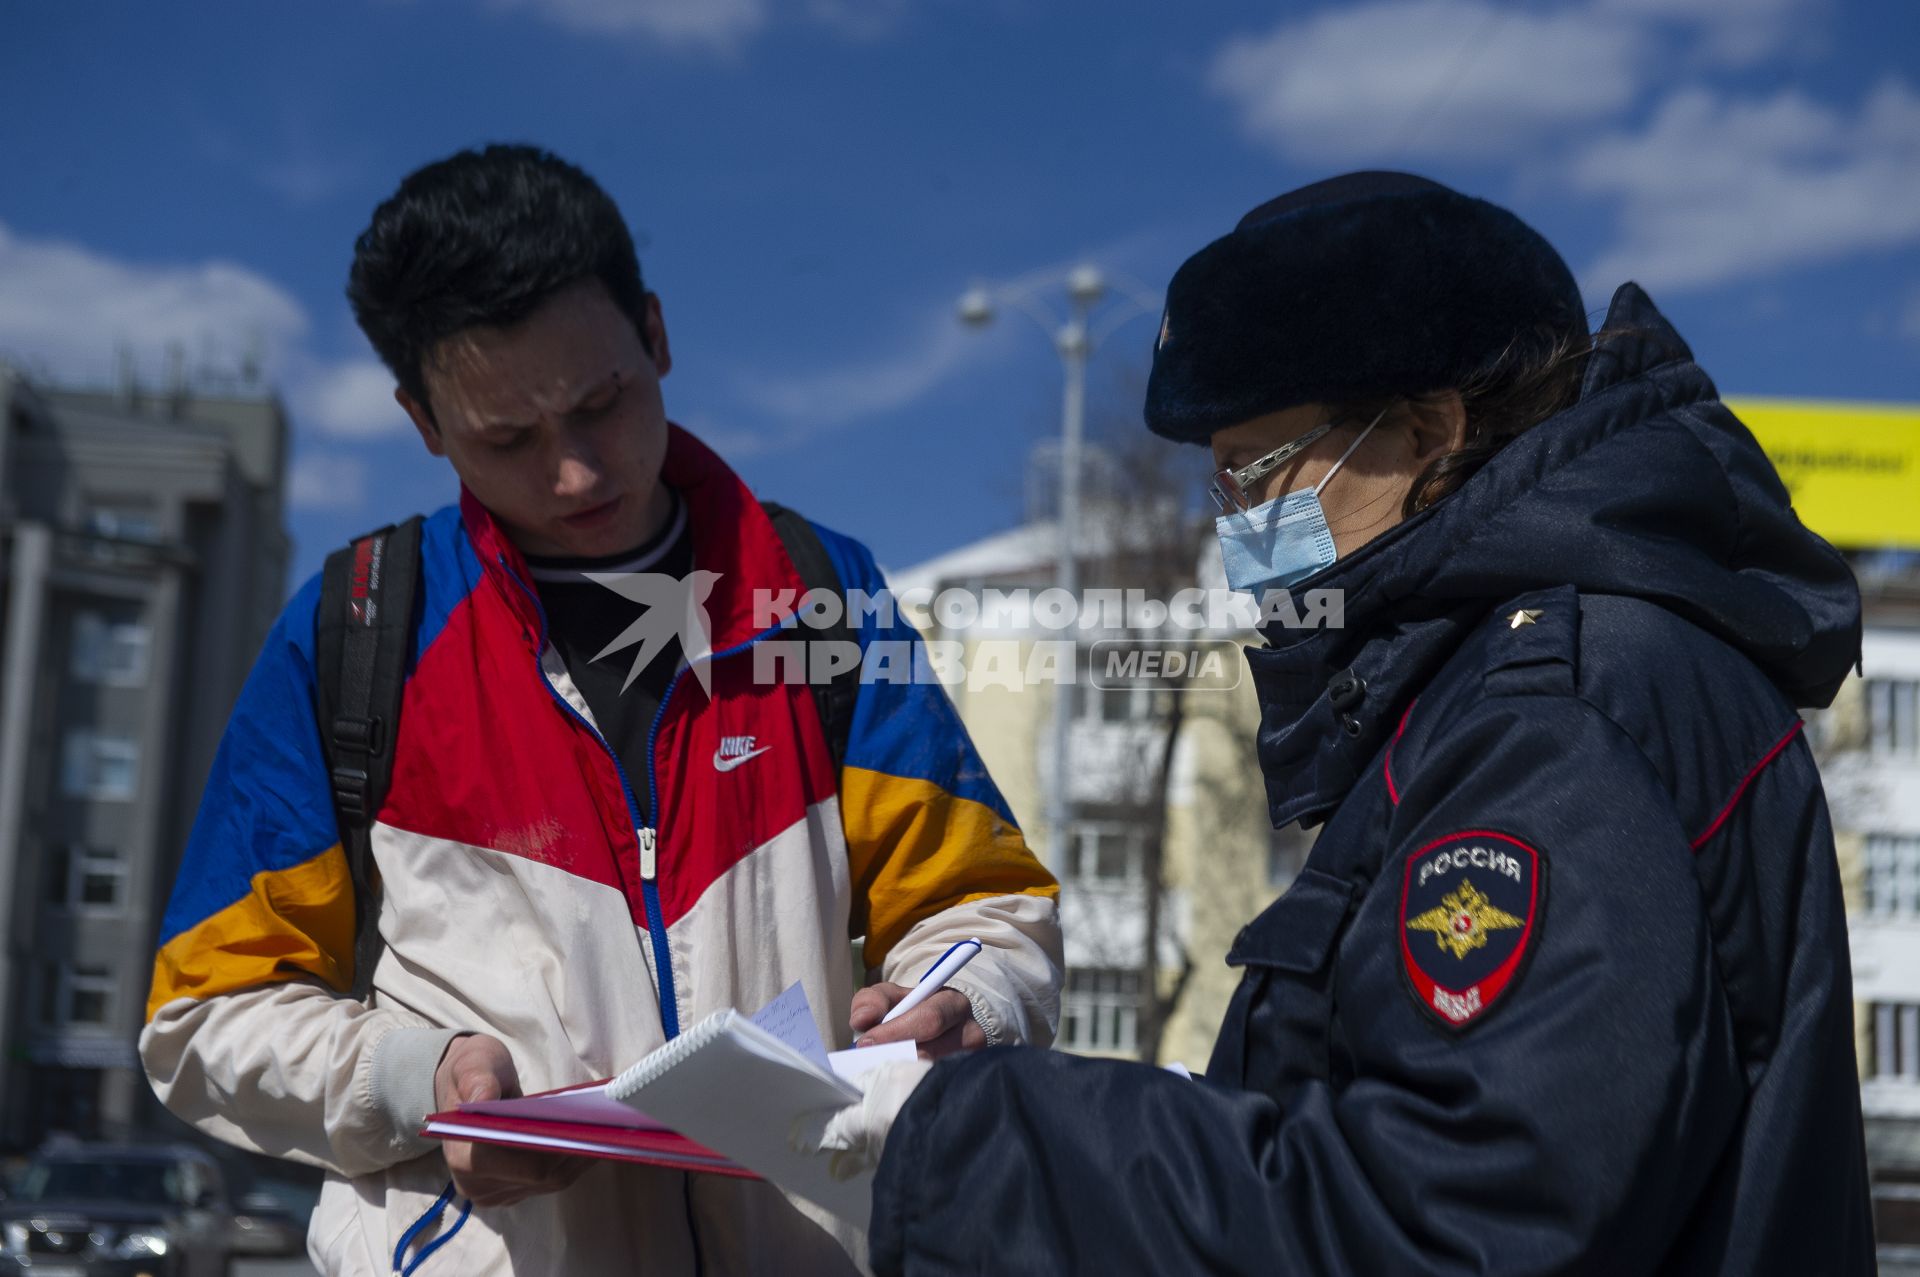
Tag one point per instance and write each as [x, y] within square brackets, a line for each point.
[722, 1098]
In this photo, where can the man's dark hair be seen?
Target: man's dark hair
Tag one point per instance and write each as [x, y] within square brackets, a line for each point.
[482, 238]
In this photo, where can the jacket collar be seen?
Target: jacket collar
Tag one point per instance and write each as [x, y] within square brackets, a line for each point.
[732, 537]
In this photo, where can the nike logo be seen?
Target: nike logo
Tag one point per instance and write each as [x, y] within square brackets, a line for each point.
[735, 750]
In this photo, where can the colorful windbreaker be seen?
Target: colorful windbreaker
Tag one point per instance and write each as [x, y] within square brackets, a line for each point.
[525, 896]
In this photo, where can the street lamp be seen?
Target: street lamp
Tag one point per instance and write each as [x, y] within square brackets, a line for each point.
[1074, 339]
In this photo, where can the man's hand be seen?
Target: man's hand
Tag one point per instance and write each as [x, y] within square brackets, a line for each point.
[942, 1025]
[477, 1067]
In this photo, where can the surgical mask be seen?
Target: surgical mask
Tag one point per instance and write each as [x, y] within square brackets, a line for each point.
[1281, 542]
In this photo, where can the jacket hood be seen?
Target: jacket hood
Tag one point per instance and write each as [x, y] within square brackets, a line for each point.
[1647, 487]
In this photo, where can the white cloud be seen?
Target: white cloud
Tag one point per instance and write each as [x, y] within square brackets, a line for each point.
[327, 481]
[848, 393]
[795, 409]
[71, 308]
[1423, 78]
[716, 24]
[1394, 80]
[1735, 33]
[351, 400]
[1713, 190]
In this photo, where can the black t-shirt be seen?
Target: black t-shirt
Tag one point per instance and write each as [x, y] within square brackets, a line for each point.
[586, 617]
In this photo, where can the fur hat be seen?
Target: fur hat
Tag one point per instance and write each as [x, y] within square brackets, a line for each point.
[1367, 284]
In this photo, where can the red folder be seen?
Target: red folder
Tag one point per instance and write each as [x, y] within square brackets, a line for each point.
[646, 1143]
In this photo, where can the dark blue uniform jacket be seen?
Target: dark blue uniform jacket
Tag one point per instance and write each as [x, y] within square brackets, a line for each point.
[1563, 986]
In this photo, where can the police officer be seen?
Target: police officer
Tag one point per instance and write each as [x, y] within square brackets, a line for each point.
[1563, 986]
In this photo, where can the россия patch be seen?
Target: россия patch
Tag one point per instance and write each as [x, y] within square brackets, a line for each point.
[1471, 907]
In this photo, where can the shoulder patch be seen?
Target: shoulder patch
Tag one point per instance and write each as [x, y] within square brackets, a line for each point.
[1471, 907]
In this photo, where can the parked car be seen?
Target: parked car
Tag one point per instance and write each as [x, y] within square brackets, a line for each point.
[117, 1210]
[265, 1225]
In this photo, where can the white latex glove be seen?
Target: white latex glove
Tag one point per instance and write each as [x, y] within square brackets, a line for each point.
[854, 1136]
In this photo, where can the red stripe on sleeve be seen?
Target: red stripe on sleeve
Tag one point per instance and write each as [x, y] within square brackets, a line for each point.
[1746, 780]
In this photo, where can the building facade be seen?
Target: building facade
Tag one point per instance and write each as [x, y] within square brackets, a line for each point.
[143, 558]
[1219, 861]
[1869, 747]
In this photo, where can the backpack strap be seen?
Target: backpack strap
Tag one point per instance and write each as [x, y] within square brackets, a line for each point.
[835, 700]
[362, 636]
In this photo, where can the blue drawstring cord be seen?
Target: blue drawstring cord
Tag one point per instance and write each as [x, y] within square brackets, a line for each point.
[401, 1266]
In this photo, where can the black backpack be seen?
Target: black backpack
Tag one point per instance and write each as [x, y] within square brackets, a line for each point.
[369, 595]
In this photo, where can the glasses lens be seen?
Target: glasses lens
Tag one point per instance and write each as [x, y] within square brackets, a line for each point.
[1226, 493]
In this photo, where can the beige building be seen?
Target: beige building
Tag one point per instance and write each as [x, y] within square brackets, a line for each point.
[1223, 862]
[1869, 750]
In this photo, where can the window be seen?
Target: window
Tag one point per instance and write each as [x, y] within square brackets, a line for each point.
[1893, 716]
[1893, 1055]
[1105, 851]
[99, 765]
[109, 651]
[1106, 694]
[1893, 876]
[89, 995]
[1100, 1010]
[127, 521]
[86, 879]
[75, 996]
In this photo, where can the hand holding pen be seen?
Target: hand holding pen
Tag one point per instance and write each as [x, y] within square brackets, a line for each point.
[938, 1018]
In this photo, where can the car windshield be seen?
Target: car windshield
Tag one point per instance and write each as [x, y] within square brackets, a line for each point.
[146, 1183]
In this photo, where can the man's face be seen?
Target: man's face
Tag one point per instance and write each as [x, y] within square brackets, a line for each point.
[556, 424]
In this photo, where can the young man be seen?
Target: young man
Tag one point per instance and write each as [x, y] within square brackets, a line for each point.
[595, 833]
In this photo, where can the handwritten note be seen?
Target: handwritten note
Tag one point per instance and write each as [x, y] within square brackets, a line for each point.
[789, 1017]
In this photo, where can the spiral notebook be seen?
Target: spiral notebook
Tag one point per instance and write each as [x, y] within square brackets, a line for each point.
[722, 1098]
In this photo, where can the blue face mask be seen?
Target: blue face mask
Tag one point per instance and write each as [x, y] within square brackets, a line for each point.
[1279, 543]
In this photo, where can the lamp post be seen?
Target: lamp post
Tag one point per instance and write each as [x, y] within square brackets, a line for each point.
[1075, 338]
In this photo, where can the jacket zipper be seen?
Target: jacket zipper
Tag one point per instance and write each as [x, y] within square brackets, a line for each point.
[649, 891]
[648, 833]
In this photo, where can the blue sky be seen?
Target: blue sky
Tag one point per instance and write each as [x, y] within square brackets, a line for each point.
[814, 183]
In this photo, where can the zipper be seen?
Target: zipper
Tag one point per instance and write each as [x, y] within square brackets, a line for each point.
[644, 832]
[647, 832]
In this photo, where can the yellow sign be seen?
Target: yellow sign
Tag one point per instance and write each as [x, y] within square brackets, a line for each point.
[1853, 469]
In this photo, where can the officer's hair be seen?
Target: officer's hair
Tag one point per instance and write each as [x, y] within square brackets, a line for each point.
[1537, 375]
[482, 238]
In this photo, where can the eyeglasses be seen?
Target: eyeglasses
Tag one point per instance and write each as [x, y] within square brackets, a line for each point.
[1230, 487]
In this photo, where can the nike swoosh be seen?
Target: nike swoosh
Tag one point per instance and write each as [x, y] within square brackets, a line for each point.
[728, 764]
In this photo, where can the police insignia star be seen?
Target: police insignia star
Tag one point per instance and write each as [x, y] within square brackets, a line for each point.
[1479, 894]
